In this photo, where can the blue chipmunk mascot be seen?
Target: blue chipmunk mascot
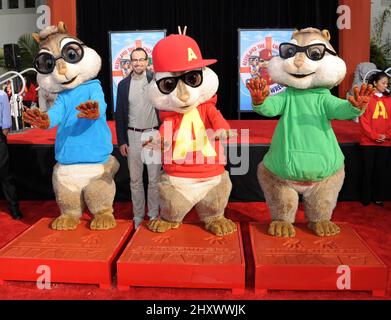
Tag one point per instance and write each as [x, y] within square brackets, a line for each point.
[85, 168]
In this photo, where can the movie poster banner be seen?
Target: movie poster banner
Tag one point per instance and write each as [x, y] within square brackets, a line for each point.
[122, 43]
[256, 49]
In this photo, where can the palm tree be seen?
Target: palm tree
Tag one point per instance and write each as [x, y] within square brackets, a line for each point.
[380, 52]
[1, 58]
[28, 50]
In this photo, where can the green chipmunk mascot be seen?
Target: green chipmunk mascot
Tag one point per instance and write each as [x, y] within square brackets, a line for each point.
[184, 91]
[85, 168]
[304, 157]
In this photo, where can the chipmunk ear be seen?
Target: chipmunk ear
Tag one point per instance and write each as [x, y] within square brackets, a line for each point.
[36, 37]
[62, 28]
[326, 34]
[295, 32]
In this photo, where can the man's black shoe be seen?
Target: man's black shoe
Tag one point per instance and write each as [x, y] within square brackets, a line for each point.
[365, 203]
[16, 213]
[379, 203]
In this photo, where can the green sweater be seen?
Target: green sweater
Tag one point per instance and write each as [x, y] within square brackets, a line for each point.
[304, 146]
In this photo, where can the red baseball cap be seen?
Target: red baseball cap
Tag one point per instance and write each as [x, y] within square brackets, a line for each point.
[266, 54]
[178, 53]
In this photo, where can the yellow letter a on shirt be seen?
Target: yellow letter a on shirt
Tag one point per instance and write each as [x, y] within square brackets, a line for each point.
[184, 142]
[380, 111]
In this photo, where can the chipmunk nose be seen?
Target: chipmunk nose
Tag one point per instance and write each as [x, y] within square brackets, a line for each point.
[299, 60]
[182, 92]
[61, 67]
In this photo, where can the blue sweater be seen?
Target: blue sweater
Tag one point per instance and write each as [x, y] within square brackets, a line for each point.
[80, 140]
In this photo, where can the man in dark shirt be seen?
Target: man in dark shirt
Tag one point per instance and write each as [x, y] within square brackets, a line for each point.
[5, 176]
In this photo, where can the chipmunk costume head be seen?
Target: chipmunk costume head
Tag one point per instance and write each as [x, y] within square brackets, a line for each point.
[304, 157]
[308, 61]
[64, 62]
[84, 173]
[184, 90]
[170, 91]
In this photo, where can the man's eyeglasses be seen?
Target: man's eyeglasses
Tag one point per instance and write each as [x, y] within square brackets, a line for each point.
[314, 52]
[72, 52]
[193, 79]
[139, 60]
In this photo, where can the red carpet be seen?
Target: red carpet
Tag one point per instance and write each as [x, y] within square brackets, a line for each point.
[261, 132]
[372, 223]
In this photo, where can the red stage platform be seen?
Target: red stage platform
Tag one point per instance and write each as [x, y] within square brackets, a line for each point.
[188, 257]
[260, 132]
[308, 262]
[81, 256]
[372, 223]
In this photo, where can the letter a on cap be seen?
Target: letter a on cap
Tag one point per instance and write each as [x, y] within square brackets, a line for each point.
[191, 55]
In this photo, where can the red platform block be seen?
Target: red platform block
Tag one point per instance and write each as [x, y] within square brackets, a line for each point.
[81, 256]
[187, 257]
[308, 262]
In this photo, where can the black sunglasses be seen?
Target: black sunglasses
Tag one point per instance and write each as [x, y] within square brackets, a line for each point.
[193, 79]
[314, 51]
[72, 52]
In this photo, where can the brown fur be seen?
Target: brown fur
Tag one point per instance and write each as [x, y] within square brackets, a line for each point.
[174, 206]
[50, 38]
[320, 204]
[98, 196]
[70, 203]
[305, 36]
[103, 220]
[214, 203]
[283, 200]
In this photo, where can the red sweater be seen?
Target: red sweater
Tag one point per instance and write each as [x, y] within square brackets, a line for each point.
[212, 154]
[376, 120]
[31, 93]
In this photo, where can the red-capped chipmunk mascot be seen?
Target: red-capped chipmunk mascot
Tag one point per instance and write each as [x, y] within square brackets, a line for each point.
[83, 175]
[184, 91]
[304, 157]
